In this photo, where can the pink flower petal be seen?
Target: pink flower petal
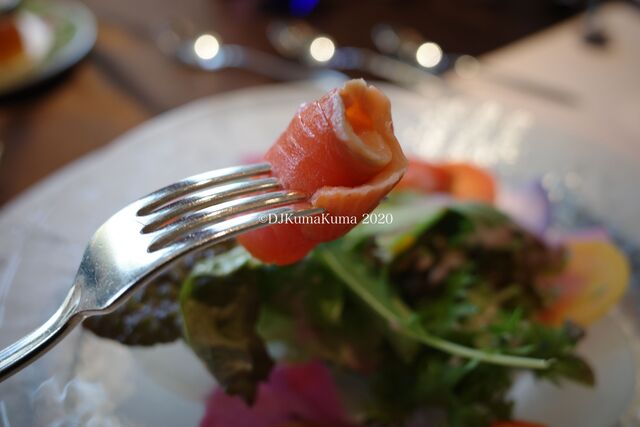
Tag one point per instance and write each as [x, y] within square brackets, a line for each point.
[304, 392]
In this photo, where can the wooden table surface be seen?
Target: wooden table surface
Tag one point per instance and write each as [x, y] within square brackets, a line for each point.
[126, 79]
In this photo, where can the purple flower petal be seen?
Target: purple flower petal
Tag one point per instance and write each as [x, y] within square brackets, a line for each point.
[527, 204]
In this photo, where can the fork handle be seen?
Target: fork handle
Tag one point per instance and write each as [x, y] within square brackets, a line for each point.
[27, 349]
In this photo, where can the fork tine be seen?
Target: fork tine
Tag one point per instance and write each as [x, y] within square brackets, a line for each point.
[207, 198]
[223, 230]
[175, 231]
[157, 199]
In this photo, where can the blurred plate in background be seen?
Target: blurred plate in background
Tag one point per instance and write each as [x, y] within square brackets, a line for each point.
[65, 29]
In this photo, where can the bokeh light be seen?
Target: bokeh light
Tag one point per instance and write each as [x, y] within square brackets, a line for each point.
[206, 46]
[322, 49]
[429, 54]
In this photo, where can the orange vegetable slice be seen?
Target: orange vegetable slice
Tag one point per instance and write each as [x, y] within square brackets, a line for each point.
[595, 278]
[470, 182]
[425, 177]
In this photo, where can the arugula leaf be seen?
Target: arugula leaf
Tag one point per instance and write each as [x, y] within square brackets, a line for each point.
[561, 343]
[376, 292]
[220, 306]
[445, 390]
[570, 367]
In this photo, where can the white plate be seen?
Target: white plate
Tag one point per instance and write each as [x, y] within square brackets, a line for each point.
[43, 234]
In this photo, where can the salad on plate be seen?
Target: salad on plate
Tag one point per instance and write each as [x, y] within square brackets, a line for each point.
[415, 300]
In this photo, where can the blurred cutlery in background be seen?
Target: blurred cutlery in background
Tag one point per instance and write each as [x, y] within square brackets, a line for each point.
[299, 41]
[408, 45]
[206, 51]
[593, 33]
[7, 6]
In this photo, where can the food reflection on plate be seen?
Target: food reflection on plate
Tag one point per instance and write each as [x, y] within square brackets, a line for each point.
[420, 315]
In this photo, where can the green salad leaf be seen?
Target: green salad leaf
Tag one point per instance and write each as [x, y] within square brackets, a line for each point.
[308, 311]
[151, 316]
[219, 303]
[424, 320]
[373, 290]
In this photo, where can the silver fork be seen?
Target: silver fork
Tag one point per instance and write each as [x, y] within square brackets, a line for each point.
[135, 243]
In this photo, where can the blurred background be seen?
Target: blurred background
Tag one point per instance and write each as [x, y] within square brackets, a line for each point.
[75, 75]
